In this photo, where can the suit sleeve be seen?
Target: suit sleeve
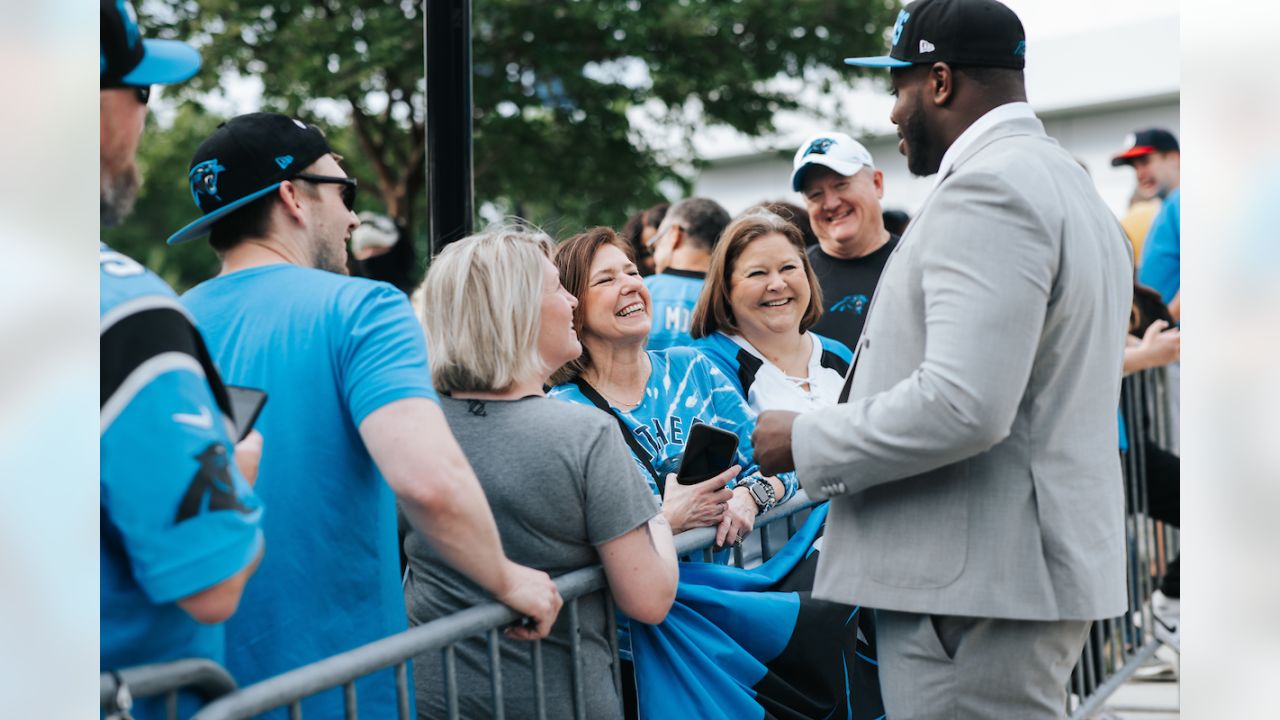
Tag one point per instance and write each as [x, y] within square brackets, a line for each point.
[987, 273]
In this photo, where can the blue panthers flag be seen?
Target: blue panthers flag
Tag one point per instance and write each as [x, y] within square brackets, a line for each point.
[755, 644]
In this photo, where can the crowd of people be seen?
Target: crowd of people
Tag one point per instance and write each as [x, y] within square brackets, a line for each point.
[526, 412]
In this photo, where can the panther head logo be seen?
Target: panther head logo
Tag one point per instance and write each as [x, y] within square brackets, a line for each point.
[204, 181]
[819, 146]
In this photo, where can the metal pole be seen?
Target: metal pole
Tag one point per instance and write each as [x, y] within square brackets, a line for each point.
[450, 191]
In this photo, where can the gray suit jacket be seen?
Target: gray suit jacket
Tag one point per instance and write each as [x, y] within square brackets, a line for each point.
[975, 468]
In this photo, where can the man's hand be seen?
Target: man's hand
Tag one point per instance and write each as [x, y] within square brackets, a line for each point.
[248, 453]
[694, 506]
[772, 441]
[533, 594]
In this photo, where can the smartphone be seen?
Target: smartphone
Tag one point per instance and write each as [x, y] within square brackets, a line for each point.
[708, 451]
[246, 404]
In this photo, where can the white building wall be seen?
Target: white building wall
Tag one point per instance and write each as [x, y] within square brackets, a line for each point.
[1091, 135]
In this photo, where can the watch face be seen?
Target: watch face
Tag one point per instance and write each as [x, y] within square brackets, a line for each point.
[759, 494]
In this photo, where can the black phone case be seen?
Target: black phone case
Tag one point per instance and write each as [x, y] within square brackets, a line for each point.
[706, 447]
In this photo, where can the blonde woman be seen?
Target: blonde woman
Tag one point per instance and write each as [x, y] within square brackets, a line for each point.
[498, 323]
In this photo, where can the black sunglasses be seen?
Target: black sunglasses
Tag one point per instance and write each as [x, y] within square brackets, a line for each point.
[348, 186]
[144, 93]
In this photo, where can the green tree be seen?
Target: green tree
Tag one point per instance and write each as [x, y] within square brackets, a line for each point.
[556, 85]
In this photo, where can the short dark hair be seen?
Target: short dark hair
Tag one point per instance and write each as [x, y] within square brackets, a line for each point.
[251, 220]
[1004, 80]
[701, 218]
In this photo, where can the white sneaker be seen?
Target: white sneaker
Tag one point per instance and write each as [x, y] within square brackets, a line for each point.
[1167, 614]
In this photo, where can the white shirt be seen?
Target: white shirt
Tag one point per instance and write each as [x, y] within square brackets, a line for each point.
[993, 117]
[775, 390]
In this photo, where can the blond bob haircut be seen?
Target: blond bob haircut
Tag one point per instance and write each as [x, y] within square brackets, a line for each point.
[714, 312]
[481, 305]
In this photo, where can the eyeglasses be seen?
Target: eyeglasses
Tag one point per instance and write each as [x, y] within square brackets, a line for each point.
[144, 93]
[348, 186]
[653, 241]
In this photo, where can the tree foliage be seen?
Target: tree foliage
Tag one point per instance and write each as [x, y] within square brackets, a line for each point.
[556, 86]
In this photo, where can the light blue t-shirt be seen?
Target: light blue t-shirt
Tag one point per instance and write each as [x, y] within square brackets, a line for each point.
[176, 515]
[684, 388]
[674, 294]
[1161, 267]
[328, 350]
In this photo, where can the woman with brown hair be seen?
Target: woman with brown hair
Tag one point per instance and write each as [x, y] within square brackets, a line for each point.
[753, 318]
[657, 396]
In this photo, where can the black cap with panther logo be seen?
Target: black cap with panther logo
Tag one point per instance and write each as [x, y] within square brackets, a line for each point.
[960, 32]
[246, 158]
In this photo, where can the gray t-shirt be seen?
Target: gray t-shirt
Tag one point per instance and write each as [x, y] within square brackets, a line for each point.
[560, 482]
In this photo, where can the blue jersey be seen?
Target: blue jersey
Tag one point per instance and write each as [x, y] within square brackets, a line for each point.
[328, 350]
[176, 515]
[684, 388]
[765, 387]
[674, 293]
[1161, 264]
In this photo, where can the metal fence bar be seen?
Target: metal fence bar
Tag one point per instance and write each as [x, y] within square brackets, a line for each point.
[1094, 702]
[611, 632]
[402, 690]
[204, 678]
[575, 660]
[295, 710]
[495, 672]
[539, 690]
[349, 709]
[440, 634]
[451, 682]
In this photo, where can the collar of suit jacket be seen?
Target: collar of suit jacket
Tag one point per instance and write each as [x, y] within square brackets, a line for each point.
[995, 116]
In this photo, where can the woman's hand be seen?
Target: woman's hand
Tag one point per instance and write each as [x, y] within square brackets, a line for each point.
[1159, 346]
[701, 505]
[739, 518]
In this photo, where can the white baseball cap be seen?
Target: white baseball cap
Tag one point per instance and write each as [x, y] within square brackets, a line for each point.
[832, 150]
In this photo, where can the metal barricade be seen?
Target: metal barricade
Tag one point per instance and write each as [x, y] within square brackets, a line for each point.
[1117, 647]
[342, 671]
[204, 678]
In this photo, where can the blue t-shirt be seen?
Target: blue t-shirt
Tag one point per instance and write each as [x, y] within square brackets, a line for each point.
[674, 293]
[765, 387]
[684, 388]
[176, 515]
[1161, 268]
[328, 350]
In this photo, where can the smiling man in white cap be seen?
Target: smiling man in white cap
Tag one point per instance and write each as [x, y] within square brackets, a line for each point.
[842, 190]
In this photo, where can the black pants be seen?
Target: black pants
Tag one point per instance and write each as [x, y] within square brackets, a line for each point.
[1164, 501]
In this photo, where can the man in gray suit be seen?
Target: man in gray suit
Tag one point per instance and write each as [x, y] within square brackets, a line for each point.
[976, 489]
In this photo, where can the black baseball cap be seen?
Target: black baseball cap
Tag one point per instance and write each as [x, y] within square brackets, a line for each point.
[1145, 142]
[126, 60]
[244, 159]
[961, 32]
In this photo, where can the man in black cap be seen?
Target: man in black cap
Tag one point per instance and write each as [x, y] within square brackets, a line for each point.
[976, 492]
[179, 535]
[354, 421]
[1156, 160]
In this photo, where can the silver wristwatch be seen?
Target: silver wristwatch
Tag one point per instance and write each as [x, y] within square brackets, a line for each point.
[762, 492]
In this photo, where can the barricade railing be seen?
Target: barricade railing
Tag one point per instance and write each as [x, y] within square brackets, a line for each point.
[342, 671]
[1117, 647]
[203, 678]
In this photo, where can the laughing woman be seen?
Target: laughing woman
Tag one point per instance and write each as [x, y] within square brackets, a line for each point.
[753, 318]
[657, 397]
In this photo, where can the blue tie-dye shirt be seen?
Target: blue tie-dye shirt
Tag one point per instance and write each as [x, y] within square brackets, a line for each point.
[684, 388]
